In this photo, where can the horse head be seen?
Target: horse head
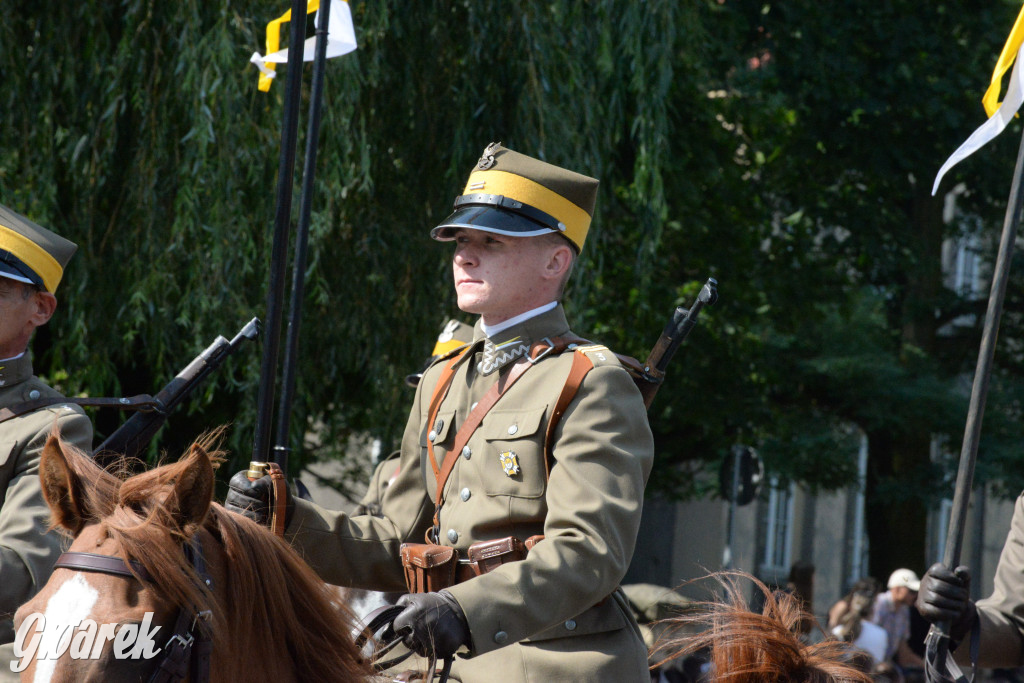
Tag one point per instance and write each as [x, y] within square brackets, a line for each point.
[152, 555]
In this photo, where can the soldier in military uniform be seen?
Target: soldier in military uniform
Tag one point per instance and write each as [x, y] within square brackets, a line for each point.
[32, 261]
[538, 439]
[997, 620]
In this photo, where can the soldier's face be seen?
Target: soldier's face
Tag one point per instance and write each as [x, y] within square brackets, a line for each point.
[498, 276]
[22, 309]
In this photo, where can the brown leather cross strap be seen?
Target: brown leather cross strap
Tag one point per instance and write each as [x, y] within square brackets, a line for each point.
[547, 346]
[473, 421]
[440, 392]
[143, 403]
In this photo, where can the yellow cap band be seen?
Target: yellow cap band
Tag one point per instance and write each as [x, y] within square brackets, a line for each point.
[33, 255]
[443, 347]
[575, 219]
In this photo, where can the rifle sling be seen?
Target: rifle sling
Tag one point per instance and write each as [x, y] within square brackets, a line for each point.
[142, 403]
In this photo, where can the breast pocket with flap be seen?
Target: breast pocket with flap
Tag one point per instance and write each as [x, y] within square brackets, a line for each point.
[513, 461]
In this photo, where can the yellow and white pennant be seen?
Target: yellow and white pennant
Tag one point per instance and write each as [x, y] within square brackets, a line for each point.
[999, 114]
[341, 39]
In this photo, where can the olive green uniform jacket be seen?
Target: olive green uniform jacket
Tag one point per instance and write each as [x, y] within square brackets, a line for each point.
[556, 615]
[1001, 615]
[27, 549]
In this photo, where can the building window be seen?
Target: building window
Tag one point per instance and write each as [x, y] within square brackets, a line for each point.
[776, 537]
[966, 276]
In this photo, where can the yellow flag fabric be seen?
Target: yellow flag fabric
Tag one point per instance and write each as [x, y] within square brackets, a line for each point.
[274, 40]
[341, 39]
[999, 113]
[1006, 58]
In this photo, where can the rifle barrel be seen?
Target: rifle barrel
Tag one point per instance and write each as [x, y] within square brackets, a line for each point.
[138, 430]
[679, 327]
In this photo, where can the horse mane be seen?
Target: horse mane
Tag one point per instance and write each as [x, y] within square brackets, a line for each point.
[747, 647]
[293, 621]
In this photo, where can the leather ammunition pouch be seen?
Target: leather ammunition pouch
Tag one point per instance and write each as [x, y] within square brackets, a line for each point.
[485, 556]
[428, 567]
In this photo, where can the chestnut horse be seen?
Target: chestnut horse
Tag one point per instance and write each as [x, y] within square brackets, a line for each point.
[242, 590]
[743, 646]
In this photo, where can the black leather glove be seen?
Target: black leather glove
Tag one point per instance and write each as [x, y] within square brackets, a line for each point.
[432, 624]
[253, 498]
[945, 596]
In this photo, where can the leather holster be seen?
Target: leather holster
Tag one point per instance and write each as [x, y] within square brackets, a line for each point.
[428, 567]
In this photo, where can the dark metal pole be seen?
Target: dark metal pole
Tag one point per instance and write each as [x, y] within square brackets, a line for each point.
[737, 454]
[282, 222]
[938, 636]
[291, 353]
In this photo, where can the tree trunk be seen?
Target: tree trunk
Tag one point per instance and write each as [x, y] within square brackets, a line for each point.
[897, 517]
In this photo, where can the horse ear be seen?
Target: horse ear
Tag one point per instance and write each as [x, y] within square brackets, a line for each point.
[190, 500]
[62, 488]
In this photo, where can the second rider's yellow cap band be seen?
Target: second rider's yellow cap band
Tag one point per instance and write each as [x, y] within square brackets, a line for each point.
[512, 194]
[30, 253]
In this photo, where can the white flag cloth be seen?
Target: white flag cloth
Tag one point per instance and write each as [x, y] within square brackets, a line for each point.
[341, 39]
[994, 126]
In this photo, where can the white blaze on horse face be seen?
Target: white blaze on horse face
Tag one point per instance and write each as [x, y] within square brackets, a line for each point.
[65, 610]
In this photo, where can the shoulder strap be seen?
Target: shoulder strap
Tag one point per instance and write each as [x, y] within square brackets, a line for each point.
[582, 364]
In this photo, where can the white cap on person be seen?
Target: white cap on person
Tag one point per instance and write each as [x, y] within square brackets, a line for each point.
[906, 578]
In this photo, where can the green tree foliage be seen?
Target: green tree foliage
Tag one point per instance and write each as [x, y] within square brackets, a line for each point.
[864, 102]
[136, 129]
[786, 149]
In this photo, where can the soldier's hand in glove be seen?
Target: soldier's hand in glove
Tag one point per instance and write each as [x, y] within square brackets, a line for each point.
[945, 596]
[254, 498]
[432, 623]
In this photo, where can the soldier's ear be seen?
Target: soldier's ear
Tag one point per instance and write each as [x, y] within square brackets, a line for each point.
[559, 261]
[44, 304]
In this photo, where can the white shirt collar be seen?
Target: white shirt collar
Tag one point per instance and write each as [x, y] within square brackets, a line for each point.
[8, 360]
[491, 330]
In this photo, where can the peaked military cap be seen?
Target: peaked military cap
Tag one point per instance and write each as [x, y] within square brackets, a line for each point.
[512, 194]
[30, 253]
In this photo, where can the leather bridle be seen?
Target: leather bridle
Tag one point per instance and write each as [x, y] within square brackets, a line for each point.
[186, 654]
[381, 638]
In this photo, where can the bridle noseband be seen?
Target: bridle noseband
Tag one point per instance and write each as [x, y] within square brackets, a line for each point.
[186, 654]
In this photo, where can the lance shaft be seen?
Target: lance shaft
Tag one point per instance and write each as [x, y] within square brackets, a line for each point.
[282, 221]
[291, 352]
[938, 636]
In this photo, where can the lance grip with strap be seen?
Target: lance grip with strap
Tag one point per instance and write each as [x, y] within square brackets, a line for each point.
[279, 496]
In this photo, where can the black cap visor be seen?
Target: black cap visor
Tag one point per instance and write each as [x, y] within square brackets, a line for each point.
[13, 268]
[489, 219]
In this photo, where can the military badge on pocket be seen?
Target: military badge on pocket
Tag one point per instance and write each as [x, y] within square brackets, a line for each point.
[509, 462]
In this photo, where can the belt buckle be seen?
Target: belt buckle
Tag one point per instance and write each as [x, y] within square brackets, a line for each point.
[549, 349]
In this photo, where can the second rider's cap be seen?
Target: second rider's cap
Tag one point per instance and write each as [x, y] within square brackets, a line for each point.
[30, 253]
